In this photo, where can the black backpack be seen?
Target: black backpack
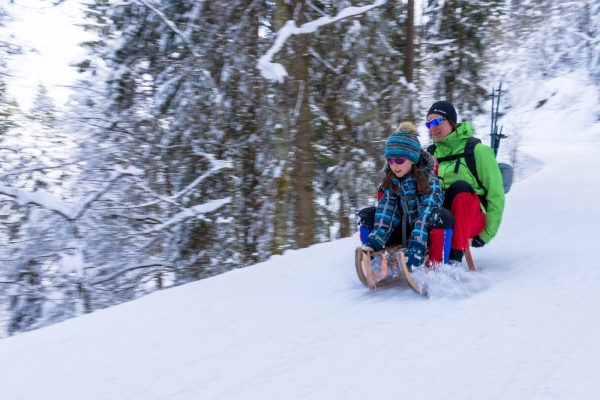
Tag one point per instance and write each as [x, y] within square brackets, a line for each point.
[469, 156]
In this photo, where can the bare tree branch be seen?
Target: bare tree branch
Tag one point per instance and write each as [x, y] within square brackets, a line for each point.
[192, 212]
[41, 168]
[277, 72]
[171, 25]
[71, 211]
[127, 269]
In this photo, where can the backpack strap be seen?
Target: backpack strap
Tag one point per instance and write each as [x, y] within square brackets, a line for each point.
[470, 159]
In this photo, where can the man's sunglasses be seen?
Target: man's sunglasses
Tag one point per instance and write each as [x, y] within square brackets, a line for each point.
[434, 122]
[397, 160]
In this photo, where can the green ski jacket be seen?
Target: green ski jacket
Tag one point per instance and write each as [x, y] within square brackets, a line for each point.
[487, 170]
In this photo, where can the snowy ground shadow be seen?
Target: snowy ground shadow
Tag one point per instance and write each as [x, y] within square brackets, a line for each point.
[525, 166]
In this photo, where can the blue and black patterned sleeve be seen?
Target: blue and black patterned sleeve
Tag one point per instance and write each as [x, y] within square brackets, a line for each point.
[427, 204]
[386, 220]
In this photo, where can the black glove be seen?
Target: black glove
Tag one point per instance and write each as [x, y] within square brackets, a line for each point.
[477, 242]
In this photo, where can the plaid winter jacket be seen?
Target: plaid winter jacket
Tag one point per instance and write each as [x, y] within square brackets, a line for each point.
[400, 201]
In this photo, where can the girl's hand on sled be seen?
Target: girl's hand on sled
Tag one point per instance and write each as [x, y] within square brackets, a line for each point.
[414, 254]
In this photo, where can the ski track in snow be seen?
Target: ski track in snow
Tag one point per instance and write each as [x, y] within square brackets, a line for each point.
[302, 326]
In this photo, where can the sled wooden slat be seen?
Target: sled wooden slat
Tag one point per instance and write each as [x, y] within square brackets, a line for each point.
[363, 267]
[470, 261]
[413, 285]
[469, 258]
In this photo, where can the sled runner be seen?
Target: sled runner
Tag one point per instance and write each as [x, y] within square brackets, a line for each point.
[393, 268]
[469, 258]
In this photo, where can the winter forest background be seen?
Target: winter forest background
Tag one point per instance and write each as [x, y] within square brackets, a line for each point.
[194, 142]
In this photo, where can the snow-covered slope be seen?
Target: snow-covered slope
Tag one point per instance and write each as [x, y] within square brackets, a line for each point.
[302, 326]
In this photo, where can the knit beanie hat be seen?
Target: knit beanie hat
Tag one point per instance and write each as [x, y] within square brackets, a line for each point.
[444, 108]
[403, 144]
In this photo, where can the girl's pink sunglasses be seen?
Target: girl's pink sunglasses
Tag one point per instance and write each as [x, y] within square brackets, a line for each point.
[397, 160]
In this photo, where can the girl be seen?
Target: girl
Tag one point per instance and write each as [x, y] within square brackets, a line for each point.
[410, 200]
[477, 202]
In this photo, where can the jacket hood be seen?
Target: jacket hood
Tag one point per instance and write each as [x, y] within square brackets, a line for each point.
[426, 163]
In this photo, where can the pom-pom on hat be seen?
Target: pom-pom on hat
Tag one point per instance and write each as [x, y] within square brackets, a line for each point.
[404, 143]
[445, 109]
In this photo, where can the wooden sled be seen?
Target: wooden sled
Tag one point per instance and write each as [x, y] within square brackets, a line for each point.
[393, 268]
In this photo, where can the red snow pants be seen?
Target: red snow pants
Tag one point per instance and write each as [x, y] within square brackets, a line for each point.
[464, 204]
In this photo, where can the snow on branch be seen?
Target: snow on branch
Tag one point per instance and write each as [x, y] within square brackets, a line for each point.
[277, 72]
[127, 269]
[586, 37]
[118, 172]
[70, 211]
[171, 25]
[41, 198]
[40, 167]
[215, 166]
[192, 212]
[183, 37]
[326, 63]
[439, 42]
[580, 4]
[386, 43]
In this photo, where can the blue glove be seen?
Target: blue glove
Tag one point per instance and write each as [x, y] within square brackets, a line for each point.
[415, 254]
[477, 242]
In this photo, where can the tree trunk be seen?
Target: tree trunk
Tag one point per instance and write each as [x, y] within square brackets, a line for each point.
[282, 182]
[303, 174]
[346, 156]
[409, 61]
[452, 25]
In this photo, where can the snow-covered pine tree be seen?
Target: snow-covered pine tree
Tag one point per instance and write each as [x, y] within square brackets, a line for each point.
[158, 94]
[593, 37]
[360, 94]
[39, 244]
[8, 107]
[557, 36]
[184, 94]
[455, 38]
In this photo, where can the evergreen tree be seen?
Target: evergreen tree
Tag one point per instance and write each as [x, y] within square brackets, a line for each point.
[183, 94]
[455, 38]
[593, 39]
[8, 106]
[361, 93]
[43, 109]
[8, 110]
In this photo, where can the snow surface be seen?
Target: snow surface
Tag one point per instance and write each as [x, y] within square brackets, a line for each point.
[302, 326]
